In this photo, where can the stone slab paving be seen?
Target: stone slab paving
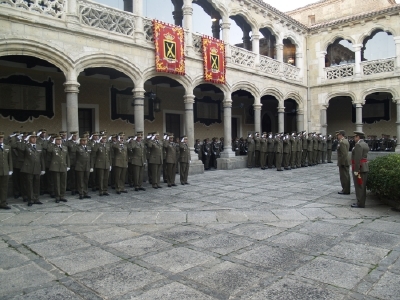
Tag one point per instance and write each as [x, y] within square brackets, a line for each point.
[239, 234]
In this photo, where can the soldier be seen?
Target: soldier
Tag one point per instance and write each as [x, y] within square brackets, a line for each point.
[6, 170]
[278, 152]
[319, 150]
[32, 167]
[343, 162]
[324, 149]
[184, 160]
[198, 150]
[138, 161]
[18, 160]
[149, 167]
[215, 151]
[329, 144]
[83, 167]
[286, 152]
[72, 144]
[304, 154]
[263, 151]
[299, 149]
[235, 146]
[250, 151]
[271, 150]
[63, 135]
[293, 150]
[59, 167]
[101, 162]
[92, 142]
[156, 159]
[170, 159]
[257, 146]
[206, 153]
[164, 167]
[360, 168]
[130, 141]
[310, 149]
[120, 164]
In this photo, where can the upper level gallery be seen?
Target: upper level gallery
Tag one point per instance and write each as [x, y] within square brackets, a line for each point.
[271, 43]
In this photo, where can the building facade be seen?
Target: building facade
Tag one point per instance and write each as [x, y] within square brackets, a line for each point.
[77, 65]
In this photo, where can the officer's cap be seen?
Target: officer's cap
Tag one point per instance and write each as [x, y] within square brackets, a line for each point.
[342, 132]
[62, 132]
[95, 133]
[32, 134]
[42, 130]
[17, 132]
[139, 132]
[1, 134]
[58, 137]
[359, 133]
[83, 137]
[74, 132]
[184, 137]
[156, 133]
[121, 134]
[103, 131]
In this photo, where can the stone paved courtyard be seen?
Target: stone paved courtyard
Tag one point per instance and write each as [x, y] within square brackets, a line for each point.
[239, 234]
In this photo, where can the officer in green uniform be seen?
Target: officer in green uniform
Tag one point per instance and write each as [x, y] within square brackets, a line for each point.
[359, 162]
[83, 167]
[184, 160]
[310, 150]
[156, 159]
[59, 167]
[138, 161]
[170, 159]
[6, 170]
[72, 145]
[271, 150]
[101, 162]
[257, 149]
[250, 151]
[263, 151]
[324, 149]
[299, 149]
[286, 152]
[18, 160]
[343, 162]
[329, 143]
[293, 150]
[120, 164]
[304, 154]
[278, 151]
[92, 142]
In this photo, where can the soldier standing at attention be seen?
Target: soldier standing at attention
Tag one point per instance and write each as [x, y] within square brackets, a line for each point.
[360, 168]
[286, 152]
[170, 159]
[83, 167]
[197, 149]
[343, 162]
[250, 151]
[293, 151]
[206, 153]
[263, 151]
[72, 144]
[120, 164]
[32, 167]
[257, 146]
[324, 150]
[92, 142]
[101, 162]
[216, 151]
[18, 160]
[59, 167]
[271, 150]
[6, 170]
[310, 149]
[156, 159]
[278, 152]
[184, 160]
[304, 143]
[329, 148]
[138, 161]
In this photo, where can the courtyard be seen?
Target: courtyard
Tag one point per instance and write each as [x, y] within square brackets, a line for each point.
[237, 234]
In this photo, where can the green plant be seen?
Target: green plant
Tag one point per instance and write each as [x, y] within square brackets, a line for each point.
[384, 177]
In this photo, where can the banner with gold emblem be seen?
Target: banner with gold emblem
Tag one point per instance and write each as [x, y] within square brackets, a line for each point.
[169, 41]
[214, 60]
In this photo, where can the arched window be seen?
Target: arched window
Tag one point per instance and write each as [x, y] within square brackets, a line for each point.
[339, 53]
[289, 52]
[267, 43]
[378, 45]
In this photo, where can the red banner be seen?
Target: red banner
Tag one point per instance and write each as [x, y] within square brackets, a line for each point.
[214, 60]
[169, 41]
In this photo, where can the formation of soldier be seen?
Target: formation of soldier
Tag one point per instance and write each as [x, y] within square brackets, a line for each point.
[385, 143]
[42, 163]
[209, 151]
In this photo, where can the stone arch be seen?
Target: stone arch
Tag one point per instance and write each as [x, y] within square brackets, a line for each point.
[340, 94]
[389, 90]
[110, 61]
[326, 43]
[185, 81]
[35, 48]
[249, 18]
[220, 7]
[293, 39]
[271, 28]
[296, 97]
[274, 92]
[377, 27]
[200, 80]
[249, 87]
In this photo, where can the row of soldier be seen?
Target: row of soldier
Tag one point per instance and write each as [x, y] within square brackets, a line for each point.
[40, 163]
[209, 151]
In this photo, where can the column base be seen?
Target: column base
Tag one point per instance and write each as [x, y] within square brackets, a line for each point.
[196, 167]
[237, 162]
[397, 149]
[227, 154]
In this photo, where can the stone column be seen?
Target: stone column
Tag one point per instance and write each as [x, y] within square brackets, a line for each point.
[281, 119]
[187, 25]
[300, 64]
[359, 123]
[398, 125]
[227, 104]
[323, 120]
[139, 31]
[321, 65]
[279, 52]
[72, 90]
[216, 29]
[72, 12]
[257, 117]
[225, 26]
[246, 39]
[138, 107]
[397, 42]
[255, 39]
[300, 120]
[357, 65]
[189, 123]
[178, 15]
[128, 6]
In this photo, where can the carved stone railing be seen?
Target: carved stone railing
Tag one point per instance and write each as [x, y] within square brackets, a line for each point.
[291, 72]
[197, 45]
[106, 18]
[243, 57]
[378, 66]
[148, 29]
[270, 65]
[337, 72]
[54, 8]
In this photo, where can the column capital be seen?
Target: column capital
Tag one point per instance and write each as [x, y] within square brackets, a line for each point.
[325, 106]
[138, 92]
[397, 101]
[397, 39]
[281, 109]
[299, 55]
[279, 46]
[187, 10]
[225, 25]
[357, 47]
[257, 106]
[227, 103]
[359, 104]
[187, 99]
[300, 112]
[71, 87]
[255, 36]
